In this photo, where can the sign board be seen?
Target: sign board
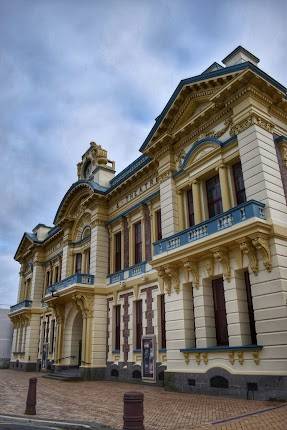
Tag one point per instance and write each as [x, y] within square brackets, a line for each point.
[149, 358]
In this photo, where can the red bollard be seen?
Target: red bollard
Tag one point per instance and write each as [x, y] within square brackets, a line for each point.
[31, 397]
[133, 411]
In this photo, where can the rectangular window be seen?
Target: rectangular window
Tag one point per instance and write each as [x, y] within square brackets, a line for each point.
[162, 321]
[48, 279]
[78, 263]
[158, 225]
[253, 334]
[56, 273]
[88, 256]
[239, 183]
[139, 323]
[138, 242]
[52, 336]
[213, 193]
[118, 251]
[117, 327]
[220, 312]
[190, 207]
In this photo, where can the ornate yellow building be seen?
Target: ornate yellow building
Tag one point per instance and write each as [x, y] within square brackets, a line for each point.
[174, 270]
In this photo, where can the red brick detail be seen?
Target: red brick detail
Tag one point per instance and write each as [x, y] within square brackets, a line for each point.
[147, 230]
[282, 168]
[149, 311]
[126, 331]
[126, 244]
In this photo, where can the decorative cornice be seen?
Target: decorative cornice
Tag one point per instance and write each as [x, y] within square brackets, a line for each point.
[252, 119]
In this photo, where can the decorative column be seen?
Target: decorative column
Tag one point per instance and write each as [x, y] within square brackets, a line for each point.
[168, 201]
[37, 280]
[67, 260]
[99, 249]
[224, 186]
[181, 209]
[126, 242]
[147, 232]
[197, 201]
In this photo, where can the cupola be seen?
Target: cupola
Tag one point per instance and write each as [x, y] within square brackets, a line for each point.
[95, 166]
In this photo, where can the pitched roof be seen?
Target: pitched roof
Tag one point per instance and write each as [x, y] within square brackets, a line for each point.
[206, 75]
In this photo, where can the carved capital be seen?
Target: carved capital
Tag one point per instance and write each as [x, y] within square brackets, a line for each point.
[164, 176]
[84, 304]
[221, 255]
[59, 312]
[261, 243]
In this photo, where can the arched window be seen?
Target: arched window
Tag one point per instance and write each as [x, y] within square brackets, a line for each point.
[86, 232]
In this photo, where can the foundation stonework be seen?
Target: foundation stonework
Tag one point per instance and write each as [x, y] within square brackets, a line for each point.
[187, 246]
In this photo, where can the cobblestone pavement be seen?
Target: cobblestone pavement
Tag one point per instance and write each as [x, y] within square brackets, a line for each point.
[101, 401]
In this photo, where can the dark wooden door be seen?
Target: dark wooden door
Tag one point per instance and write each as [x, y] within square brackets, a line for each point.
[220, 312]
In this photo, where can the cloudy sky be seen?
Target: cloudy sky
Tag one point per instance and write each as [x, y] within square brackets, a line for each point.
[74, 71]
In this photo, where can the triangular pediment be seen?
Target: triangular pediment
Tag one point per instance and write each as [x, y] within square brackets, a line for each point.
[190, 109]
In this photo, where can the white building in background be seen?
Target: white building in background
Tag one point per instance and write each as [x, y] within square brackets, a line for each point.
[6, 332]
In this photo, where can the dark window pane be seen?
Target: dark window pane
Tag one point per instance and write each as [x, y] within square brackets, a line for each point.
[118, 251]
[220, 312]
[250, 309]
[239, 183]
[117, 327]
[162, 315]
[213, 196]
[190, 208]
[139, 325]
[78, 265]
[138, 242]
[158, 225]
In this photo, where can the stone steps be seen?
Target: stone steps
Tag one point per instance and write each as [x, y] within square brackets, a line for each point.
[64, 375]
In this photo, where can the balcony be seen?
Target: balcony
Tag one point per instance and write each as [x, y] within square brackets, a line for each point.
[77, 278]
[122, 275]
[20, 306]
[234, 216]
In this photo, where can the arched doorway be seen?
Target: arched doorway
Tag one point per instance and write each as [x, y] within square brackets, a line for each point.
[76, 339]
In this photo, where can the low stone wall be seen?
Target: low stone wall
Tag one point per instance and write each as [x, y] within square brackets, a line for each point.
[131, 372]
[218, 381]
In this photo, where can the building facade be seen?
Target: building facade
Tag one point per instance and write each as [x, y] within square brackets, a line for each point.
[173, 270]
[6, 331]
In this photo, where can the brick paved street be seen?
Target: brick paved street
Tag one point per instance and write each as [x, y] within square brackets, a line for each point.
[102, 401]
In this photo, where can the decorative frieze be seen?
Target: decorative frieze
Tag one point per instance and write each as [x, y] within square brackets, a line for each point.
[252, 119]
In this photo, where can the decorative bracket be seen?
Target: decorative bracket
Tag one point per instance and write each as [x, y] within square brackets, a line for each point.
[262, 245]
[222, 256]
[246, 248]
[192, 267]
[172, 272]
[84, 304]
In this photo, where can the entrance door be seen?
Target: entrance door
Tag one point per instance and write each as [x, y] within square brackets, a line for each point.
[80, 353]
[220, 312]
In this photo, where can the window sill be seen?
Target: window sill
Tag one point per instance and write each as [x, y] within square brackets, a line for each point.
[224, 348]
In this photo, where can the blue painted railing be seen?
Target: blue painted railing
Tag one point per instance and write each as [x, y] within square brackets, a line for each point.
[218, 223]
[135, 270]
[77, 278]
[24, 304]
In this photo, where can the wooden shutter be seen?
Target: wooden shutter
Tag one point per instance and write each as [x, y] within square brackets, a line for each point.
[138, 242]
[117, 327]
[190, 207]
[163, 324]
[118, 251]
[158, 225]
[139, 326]
[126, 244]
